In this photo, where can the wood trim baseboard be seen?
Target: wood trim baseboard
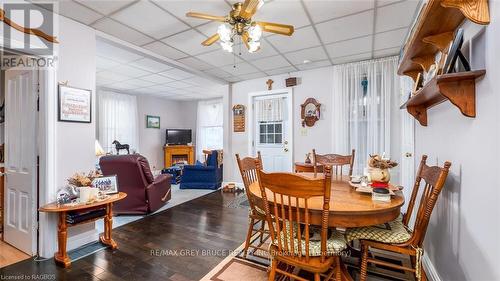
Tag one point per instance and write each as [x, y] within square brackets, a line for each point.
[429, 269]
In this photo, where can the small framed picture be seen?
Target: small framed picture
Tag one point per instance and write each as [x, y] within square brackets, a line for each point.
[153, 122]
[107, 185]
[75, 105]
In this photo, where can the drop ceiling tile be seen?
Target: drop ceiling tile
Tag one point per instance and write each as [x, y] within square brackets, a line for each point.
[122, 86]
[350, 47]
[219, 58]
[281, 70]
[195, 63]
[239, 69]
[311, 54]
[253, 76]
[176, 74]
[312, 65]
[390, 39]
[129, 71]
[284, 12]
[386, 52]
[386, 2]
[353, 58]
[178, 85]
[157, 79]
[105, 63]
[346, 28]
[180, 8]
[115, 53]
[150, 65]
[161, 88]
[301, 39]
[165, 50]
[78, 12]
[121, 31]
[149, 19]
[209, 28]
[271, 63]
[105, 7]
[325, 10]
[140, 83]
[218, 73]
[110, 76]
[190, 42]
[395, 16]
[199, 81]
[266, 50]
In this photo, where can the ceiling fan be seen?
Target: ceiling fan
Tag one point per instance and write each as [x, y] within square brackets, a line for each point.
[239, 23]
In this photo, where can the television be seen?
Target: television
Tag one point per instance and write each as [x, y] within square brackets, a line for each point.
[178, 136]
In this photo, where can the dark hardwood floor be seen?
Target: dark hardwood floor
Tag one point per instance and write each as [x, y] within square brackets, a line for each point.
[181, 243]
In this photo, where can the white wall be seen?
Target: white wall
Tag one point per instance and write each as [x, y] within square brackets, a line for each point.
[173, 115]
[462, 238]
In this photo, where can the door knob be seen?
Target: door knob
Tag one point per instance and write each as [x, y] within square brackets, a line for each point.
[408, 154]
[286, 149]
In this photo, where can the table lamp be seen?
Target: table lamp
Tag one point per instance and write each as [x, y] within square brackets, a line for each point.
[98, 149]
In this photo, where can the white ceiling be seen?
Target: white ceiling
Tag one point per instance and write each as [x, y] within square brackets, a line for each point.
[327, 32]
[119, 69]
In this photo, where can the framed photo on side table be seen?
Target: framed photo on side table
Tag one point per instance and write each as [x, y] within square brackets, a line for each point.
[106, 185]
[75, 105]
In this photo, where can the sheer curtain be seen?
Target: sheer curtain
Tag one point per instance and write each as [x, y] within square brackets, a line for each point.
[362, 97]
[209, 129]
[117, 120]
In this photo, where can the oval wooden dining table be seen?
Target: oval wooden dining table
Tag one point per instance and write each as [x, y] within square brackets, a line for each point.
[348, 208]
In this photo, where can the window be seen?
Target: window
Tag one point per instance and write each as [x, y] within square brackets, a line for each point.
[270, 132]
[210, 132]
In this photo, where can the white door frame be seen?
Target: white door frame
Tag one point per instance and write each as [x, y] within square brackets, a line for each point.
[286, 92]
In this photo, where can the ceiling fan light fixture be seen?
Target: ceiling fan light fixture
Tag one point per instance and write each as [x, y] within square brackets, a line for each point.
[227, 46]
[225, 33]
[253, 46]
[255, 32]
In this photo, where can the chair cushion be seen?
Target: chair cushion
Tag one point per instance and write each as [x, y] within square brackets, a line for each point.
[334, 245]
[393, 232]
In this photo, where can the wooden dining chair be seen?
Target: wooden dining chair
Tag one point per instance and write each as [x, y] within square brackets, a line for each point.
[335, 160]
[248, 171]
[290, 227]
[396, 236]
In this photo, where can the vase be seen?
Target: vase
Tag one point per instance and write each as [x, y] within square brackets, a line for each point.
[379, 175]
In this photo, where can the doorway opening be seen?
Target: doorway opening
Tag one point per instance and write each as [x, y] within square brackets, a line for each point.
[271, 130]
[19, 125]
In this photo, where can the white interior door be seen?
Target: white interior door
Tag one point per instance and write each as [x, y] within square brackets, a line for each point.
[20, 159]
[273, 138]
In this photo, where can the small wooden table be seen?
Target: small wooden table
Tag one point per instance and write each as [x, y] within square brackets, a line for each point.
[302, 167]
[62, 229]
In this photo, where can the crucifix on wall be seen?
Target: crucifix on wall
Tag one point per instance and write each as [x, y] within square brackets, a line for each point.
[269, 84]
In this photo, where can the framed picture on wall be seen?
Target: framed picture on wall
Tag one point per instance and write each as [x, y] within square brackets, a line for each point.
[153, 122]
[75, 105]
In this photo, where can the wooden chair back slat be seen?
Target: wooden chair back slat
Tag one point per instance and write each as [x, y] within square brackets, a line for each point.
[288, 191]
[335, 160]
[248, 171]
[434, 178]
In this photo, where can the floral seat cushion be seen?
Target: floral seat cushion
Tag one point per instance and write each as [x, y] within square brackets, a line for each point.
[393, 232]
[334, 245]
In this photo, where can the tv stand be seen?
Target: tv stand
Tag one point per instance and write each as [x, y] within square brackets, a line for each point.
[178, 153]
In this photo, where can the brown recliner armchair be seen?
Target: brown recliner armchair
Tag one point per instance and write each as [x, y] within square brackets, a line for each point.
[145, 193]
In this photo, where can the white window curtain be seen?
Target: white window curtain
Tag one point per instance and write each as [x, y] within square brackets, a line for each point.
[361, 117]
[117, 120]
[209, 129]
[269, 110]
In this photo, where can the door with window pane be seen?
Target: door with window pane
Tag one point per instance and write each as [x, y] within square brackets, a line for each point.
[270, 138]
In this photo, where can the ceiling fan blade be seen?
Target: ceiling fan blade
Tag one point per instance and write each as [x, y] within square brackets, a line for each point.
[249, 8]
[205, 16]
[212, 39]
[244, 38]
[277, 28]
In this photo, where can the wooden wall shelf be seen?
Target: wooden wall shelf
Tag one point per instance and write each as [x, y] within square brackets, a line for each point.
[458, 88]
[434, 31]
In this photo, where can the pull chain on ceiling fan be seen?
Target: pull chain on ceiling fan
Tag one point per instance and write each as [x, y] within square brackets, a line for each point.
[239, 23]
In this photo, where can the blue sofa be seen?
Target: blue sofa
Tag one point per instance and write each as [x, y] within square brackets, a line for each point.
[203, 176]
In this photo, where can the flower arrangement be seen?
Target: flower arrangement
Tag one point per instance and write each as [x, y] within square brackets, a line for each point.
[376, 161]
[82, 179]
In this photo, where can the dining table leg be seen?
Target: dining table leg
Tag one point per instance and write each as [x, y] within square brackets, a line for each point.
[108, 226]
[62, 235]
